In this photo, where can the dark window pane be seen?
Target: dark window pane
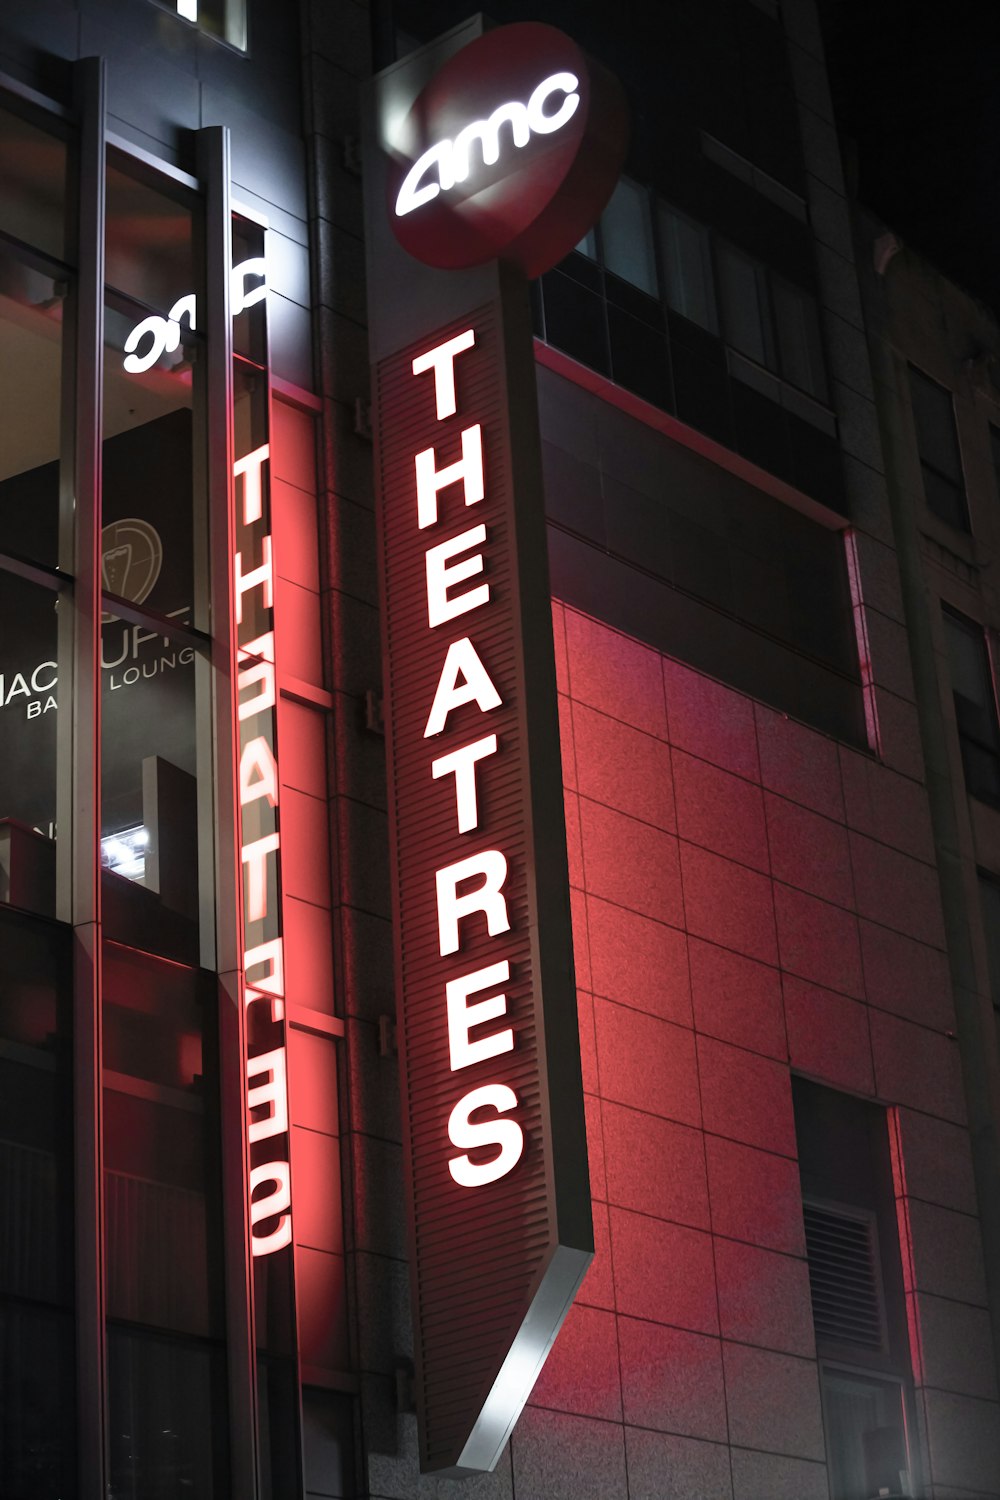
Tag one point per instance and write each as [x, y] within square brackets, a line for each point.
[865, 1429]
[937, 443]
[31, 351]
[995, 451]
[701, 393]
[574, 321]
[989, 895]
[639, 358]
[934, 415]
[945, 498]
[631, 300]
[799, 344]
[167, 1402]
[975, 705]
[582, 269]
[277, 1427]
[28, 670]
[761, 430]
[816, 463]
[746, 319]
[687, 267]
[588, 245]
[627, 237]
[36, 1223]
[148, 243]
[33, 198]
[161, 1171]
[37, 1416]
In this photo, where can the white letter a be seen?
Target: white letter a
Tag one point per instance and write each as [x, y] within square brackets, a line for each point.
[476, 686]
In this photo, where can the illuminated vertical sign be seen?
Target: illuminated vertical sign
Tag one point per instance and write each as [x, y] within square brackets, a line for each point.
[500, 1211]
[487, 155]
[260, 840]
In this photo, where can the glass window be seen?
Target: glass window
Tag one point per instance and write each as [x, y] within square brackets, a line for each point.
[687, 268]
[995, 451]
[226, 19]
[33, 197]
[28, 688]
[162, 1226]
[152, 535]
[940, 455]
[989, 896]
[746, 317]
[588, 245]
[975, 705]
[627, 237]
[37, 1417]
[148, 242]
[799, 343]
[163, 1395]
[31, 355]
[856, 1284]
[865, 1429]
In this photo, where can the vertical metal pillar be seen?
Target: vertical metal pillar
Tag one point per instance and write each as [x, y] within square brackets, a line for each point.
[227, 875]
[80, 733]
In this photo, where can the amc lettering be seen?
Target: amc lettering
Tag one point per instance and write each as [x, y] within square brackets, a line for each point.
[453, 159]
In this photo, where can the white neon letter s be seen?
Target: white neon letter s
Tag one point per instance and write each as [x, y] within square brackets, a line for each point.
[558, 83]
[507, 1134]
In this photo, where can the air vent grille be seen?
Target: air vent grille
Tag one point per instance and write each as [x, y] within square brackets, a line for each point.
[844, 1277]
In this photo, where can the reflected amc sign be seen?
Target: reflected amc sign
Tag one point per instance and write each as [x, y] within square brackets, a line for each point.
[511, 150]
[485, 163]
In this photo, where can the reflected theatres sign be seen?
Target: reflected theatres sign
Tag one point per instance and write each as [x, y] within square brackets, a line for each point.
[156, 336]
[260, 839]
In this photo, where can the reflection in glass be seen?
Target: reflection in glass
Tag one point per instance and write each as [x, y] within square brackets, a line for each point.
[162, 1225]
[33, 198]
[149, 808]
[28, 689]
[31, 321]
[148, 245]
[163, 1397]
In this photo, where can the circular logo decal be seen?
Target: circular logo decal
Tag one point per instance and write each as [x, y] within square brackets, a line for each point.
[131, 558]
[512, 150]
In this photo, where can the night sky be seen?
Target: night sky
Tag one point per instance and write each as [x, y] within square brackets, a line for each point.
[917, 87]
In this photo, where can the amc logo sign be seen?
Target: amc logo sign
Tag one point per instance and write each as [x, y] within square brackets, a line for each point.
[510, 152]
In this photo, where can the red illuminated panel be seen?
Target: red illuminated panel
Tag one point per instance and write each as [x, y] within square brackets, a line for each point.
[500, 1223]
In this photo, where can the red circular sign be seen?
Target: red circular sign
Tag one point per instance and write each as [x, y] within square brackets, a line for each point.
[512, 151]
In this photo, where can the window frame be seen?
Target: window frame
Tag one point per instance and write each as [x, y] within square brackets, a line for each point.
[927, 465]
[790, 393]
[976, 630]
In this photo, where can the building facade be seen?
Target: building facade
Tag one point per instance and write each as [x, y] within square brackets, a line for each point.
[773, 619]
